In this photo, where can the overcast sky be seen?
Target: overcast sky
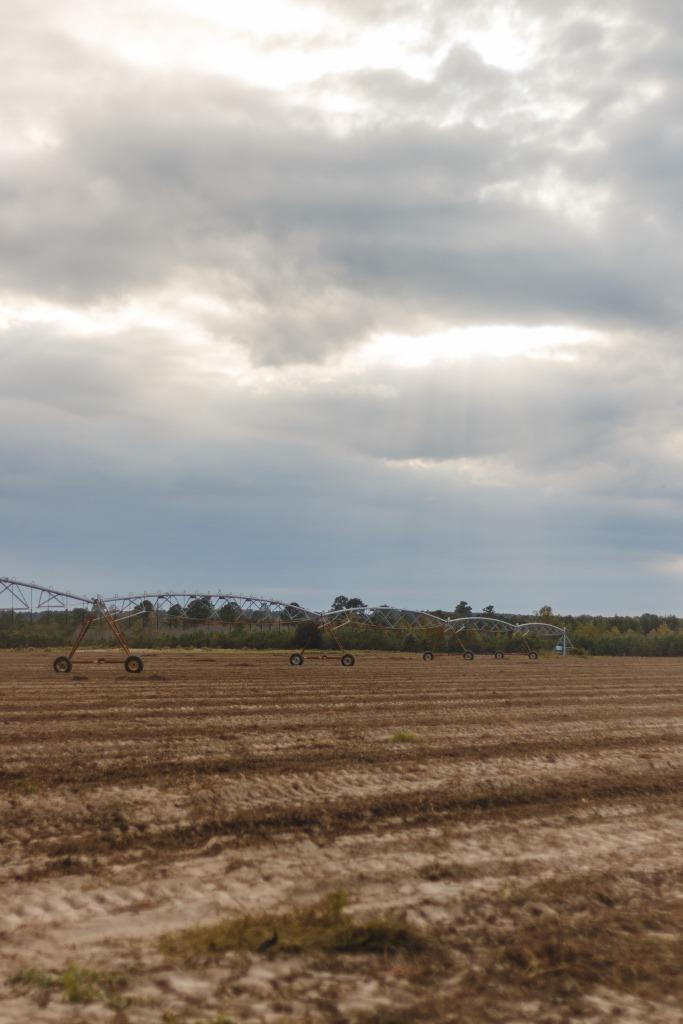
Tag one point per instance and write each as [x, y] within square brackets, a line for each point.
[299, 300]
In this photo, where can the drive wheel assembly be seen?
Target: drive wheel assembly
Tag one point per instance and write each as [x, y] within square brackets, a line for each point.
[296, 659]
[62, 664]
[499, 655]
[348, 660]
[468, 656]
[533, 656]
[428, 656]
[133, 664]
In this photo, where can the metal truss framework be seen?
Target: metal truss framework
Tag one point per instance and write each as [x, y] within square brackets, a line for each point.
[230, 609]
[386, 617]
[486, 624]
[525, 631]
[541, 629]
[31, 597]
[239, 610]
[383, 617]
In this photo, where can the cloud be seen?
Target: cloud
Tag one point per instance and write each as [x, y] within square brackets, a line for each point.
[474, 479]
[318, 240]
[192, 265]
[311, 240]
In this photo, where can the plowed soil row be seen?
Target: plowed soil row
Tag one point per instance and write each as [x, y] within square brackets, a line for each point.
[525, 818]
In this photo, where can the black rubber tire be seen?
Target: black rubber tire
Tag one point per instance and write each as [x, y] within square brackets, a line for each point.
[62, 664]
[499, 655]
[533, 656]
[133, 664]
[348, 660]
[296, 659]
[468, 656]
[428, 656]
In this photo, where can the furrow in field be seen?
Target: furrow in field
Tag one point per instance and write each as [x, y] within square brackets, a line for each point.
[116, 764]
[328, 805]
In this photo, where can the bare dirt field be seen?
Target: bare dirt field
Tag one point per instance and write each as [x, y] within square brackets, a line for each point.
[228, 838]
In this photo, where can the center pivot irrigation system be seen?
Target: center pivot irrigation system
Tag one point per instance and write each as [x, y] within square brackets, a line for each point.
[99, 611]
[382, 618]
[430, 631]
[423, 632]
[502, 633]
[34, 600]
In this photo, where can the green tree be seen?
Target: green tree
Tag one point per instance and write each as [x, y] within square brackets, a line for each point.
[199, 608]
[175, 613]
[341, 602]
[146, 607]
[230, 612]
[308, 635]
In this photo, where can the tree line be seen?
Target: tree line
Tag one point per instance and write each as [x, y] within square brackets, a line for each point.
[198, 624]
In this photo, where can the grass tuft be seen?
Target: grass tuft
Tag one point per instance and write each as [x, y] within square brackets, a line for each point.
[77, 984]
[323, 927]
[404, 736]
[32, 977]
[80, 985]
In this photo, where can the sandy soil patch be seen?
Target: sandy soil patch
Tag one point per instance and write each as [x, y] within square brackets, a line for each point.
[503, 840]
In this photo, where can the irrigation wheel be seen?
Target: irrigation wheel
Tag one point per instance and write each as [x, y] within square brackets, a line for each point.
[133, 664]
[62, 664]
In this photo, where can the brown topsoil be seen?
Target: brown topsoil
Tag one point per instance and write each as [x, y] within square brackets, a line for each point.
[227, 838]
